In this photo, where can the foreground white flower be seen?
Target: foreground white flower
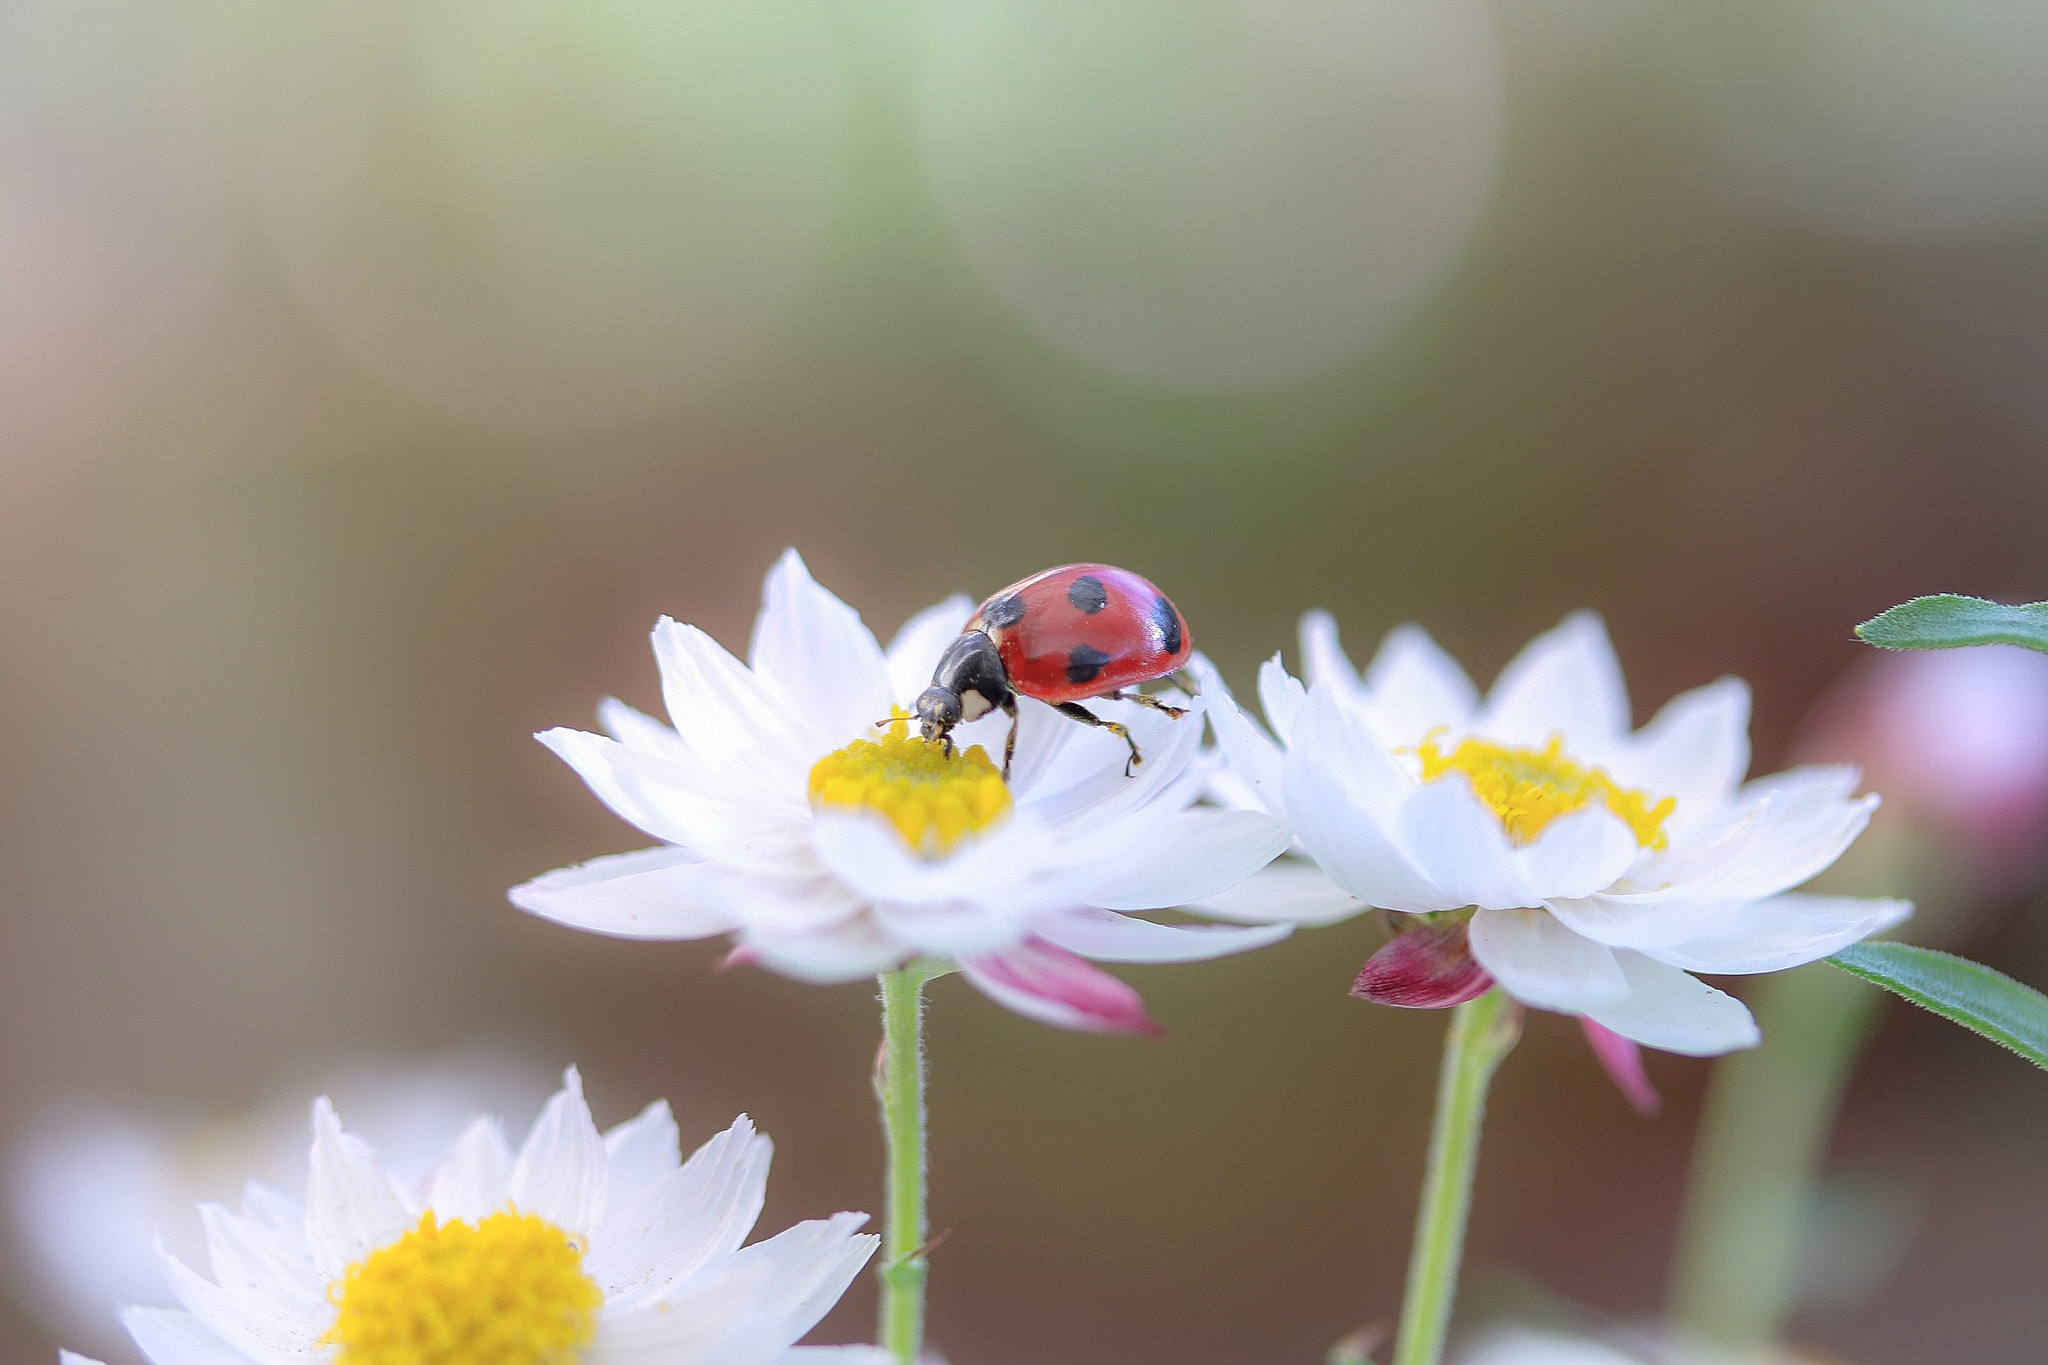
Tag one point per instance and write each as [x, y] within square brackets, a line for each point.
[1586, 868]
[831, 850]
[94, 1190]
[578, 1249]
[1518, 1345]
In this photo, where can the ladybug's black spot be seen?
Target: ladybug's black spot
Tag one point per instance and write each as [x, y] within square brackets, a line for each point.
[1002, 612]
[1168, 622]
[1084, 663]
[1087, 594]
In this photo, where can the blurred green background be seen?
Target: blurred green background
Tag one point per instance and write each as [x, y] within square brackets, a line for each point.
[373, 373]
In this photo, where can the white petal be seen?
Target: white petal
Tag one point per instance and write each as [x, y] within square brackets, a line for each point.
[717, 705]
[1696, 749]
[1566, 681]
[650, 793]
[953, 929]
[1415, 687]
[1344, 792]
[1335, 737]
[813, 648]
[1457, 841]
[266, 1264]
[1283, 893]
[65, 1357]
[867, 853]
[637, 730]
[1323, 660]
[656, 893]
[1784, 931]
[1090, 785]
[560, 1172]
[813, 1262]
[835, 1355]
[353, 1205]
[1779, 832]
[1109, 937]
[1540, 962]
[690, 1217]
[1280, 696]
[639, 1152]
[1578, 853]
[169, 1337]
[713, 1318]
[745, 1309]
[273, 1209]
[1667, 1009]
[1637, 924]
[1521, 1346]
[1253, 757]
[261, 1329]
[1167, 860]
[1050, 762]
[846, 951]
[1793, 846]
[474, 1181]
[805, 895]
[914, 653]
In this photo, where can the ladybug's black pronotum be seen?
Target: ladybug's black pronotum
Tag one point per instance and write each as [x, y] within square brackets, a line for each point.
[1062, 636]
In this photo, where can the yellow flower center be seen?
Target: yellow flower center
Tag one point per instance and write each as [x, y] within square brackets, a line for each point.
[933, 800]
[1528, 788]
[509, 1290]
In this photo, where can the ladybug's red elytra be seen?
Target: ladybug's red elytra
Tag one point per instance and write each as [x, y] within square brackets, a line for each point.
[1062, 636]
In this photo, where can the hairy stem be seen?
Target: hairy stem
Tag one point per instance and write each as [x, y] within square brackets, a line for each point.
[1481, 1034]
[899, 1087]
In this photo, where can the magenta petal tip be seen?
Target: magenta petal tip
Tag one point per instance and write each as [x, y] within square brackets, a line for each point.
[1622, 1060]
[1050, 984]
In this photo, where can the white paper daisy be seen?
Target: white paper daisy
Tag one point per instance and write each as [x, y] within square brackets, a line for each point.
[1587, 868]
[832, 850]
[578, 1249]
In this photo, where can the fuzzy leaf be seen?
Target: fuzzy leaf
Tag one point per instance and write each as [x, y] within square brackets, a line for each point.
[1949, 620]
[1959, 990]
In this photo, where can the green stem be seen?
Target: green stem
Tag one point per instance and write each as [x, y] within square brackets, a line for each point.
[1481, 1034]
[899, 1086]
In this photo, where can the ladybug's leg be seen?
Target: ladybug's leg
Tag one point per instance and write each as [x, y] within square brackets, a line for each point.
[1073, 710]
[1185, 681]
[1144, 700]
[1010, 744]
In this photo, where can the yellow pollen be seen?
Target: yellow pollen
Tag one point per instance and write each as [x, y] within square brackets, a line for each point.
[1528, 788]
[933, 800]
[509, 1290]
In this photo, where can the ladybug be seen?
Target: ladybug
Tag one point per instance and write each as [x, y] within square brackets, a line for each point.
[1062, 636]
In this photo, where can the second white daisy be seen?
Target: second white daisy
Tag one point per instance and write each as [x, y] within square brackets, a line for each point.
[1586, 868]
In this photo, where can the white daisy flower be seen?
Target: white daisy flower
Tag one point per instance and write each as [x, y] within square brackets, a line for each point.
[578, 1249]
[1592, 869]
[832, 850]
[1518, 1345]
[93, 1190]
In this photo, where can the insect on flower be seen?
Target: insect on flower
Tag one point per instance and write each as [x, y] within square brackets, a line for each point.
[1061, 637]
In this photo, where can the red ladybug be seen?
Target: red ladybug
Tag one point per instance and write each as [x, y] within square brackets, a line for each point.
[1078, 631]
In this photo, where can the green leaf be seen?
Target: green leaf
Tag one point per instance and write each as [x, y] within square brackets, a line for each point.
[1949, 620]
[1959, 990]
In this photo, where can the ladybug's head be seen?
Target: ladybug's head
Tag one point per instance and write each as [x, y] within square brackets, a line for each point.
[938, 711]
